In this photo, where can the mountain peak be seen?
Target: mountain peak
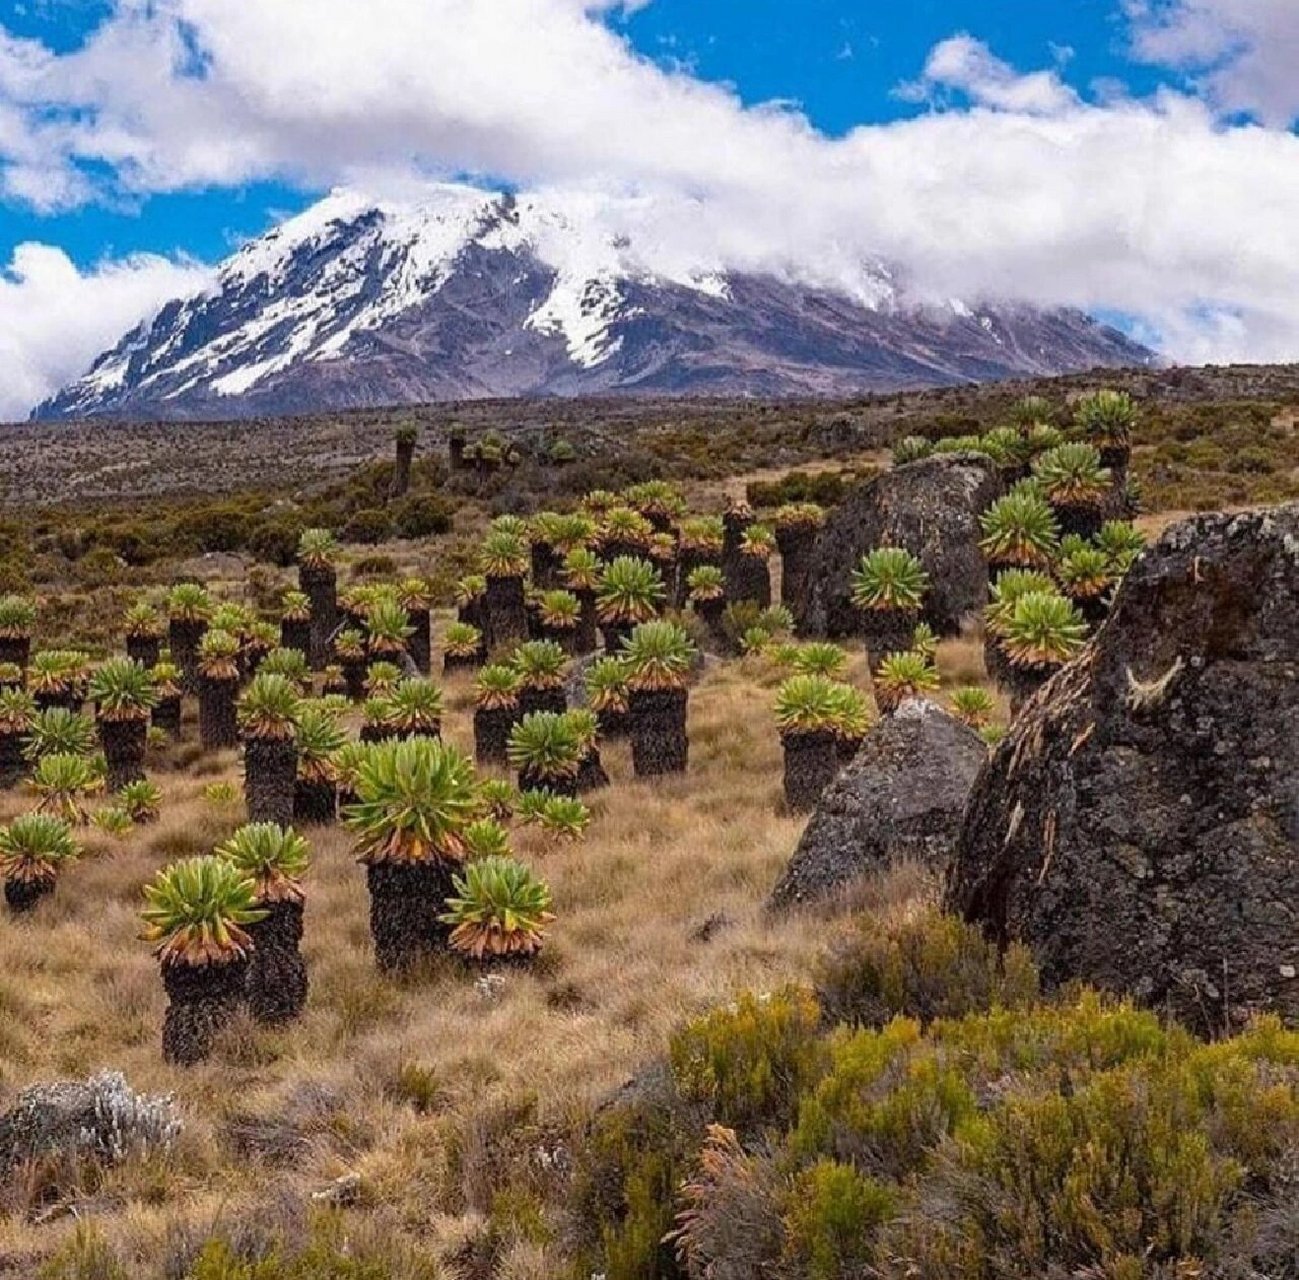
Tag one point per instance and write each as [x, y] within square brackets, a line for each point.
[457, 292]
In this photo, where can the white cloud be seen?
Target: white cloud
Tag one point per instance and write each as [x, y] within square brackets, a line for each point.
[1243, 53]
[1028, 192]
[55, 319]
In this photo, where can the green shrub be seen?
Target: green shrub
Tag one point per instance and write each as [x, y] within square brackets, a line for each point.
[368, 526]
[423, 515]
[275, 540]
[833, 1212]
[750, 1063]
[933, 966]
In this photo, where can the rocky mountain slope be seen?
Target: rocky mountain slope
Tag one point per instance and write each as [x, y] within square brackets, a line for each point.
[467, 294]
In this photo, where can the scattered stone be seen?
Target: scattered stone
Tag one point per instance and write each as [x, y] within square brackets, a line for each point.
[901, 799]
[344, 1192]
[931, 507]
[1139, 824]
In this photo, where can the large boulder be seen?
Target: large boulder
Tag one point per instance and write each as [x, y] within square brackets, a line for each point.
[901, 799]
[100, 1119]
[1139, 825]
[932, 508]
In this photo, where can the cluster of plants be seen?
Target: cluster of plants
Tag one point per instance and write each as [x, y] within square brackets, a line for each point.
[924, 1112]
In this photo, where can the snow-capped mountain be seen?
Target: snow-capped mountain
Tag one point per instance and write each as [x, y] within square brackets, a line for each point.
[465, 294]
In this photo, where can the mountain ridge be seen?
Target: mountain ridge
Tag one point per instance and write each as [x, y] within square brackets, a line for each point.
[468, 294]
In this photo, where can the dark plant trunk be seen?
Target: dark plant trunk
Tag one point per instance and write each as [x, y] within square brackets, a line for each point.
[315, 804]
[453, 662]
[1023, 682]
[405, 902]
[1094, 609]
[565, 637]
[456, 452]
[1084, 521]
[420, 643]
[996, 663]
[354, 672]
[203, 1000]
[749, 578]
[492, 734]
[167, 715]
[505, 614]
[533, 611]
[23, 895]
[614, 633]
[183, 640]
[531, 780]
[1116, 458]
[545, 566]
[670, 572]
[587, 638]
[659, 741]
[433, 733]
[376, 733]
[811, 764]
[295, 633]
[614, 549]
[847, 749]
[531, 700]
[217, 725]
[886, 631]
[270, 769]
[146, 650]
[713, 615]
[13, 768]
[613, 724]
[321, 587]
[16, 649]
[400, 486]
[592, 775]
[472, 613]
[69, 699]
[124, 743]
[796, 546]
[277, 975]
[734, 528]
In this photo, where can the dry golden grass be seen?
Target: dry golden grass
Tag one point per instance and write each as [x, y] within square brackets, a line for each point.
[402, 1082]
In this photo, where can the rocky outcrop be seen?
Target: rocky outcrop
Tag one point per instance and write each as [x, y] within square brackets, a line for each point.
[901, 799]
[1139, 825]
[932, 508]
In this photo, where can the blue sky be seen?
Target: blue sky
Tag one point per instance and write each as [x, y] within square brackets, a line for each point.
[840, 61]
[1132, 158]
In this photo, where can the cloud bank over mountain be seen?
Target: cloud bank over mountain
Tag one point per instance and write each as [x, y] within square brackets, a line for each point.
[1014, 185]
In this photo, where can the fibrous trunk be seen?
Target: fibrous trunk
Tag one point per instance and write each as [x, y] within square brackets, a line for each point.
[217, 725]
[166, 716]
[796, 547]
[405, 902]
[203, 1000]
[659, 742]
[124, 744]
[531, 700]
[887, 631]
[146, 650]
[420, 642]
[13, 768]
[492, 733]
[295, 633]
[591, 776]
[1024, 681]
[811, 764]
[505, 614]
[16, 650]
[586, 638]
[314, 803]
[277, 974]
[556, 784]
[270, 769]
[183, 637]
[23, 895]
[320, 585]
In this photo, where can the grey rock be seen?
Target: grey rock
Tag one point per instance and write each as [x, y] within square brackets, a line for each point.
[932, 508]
[901, 799]
[101, 1119]
[1139, 824]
